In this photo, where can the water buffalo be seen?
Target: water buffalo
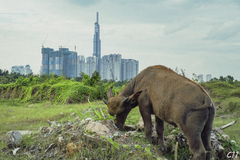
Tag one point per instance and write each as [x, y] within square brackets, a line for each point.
[174, 99]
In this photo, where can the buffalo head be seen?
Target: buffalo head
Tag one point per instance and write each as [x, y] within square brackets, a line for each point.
[121, 106]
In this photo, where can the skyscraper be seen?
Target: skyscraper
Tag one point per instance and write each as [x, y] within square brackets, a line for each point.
[208, 77]
[97, 45]
[61, 62]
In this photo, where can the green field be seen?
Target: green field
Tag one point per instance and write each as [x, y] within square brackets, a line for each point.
[26, 108]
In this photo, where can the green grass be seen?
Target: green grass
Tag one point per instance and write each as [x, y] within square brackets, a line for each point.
[233, 131]
[18, 116]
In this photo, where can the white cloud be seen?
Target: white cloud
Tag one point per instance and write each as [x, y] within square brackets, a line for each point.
[197, 36]
[224, 31]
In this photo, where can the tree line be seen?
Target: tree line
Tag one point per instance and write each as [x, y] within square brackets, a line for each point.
[6, 77]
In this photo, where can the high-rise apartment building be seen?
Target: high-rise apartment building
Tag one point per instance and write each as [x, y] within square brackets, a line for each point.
[200, 78]
[208, 77]
[111, 67]
[129, 68]
[61, 62]
[45, 60]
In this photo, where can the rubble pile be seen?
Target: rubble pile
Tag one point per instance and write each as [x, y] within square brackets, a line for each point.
[63, 140]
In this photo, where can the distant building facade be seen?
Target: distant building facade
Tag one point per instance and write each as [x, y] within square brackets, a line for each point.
[21, 69]
[200, 78]
[113, 67]
[129, 68]
[61, 62]
[208, 77]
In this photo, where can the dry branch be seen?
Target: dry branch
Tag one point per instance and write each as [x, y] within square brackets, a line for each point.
[228, 125]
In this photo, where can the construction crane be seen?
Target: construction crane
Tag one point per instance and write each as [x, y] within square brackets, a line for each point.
[44, 41]
[43, 48]
[112, 74]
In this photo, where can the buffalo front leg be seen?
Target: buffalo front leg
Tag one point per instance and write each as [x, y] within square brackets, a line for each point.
[160, 129]
[146, 116]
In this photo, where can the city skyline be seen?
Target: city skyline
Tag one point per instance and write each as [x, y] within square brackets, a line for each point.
[68, 63]
[200, 37]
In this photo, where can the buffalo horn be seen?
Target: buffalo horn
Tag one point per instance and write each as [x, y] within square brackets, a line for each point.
[125, 100]
[105, 101]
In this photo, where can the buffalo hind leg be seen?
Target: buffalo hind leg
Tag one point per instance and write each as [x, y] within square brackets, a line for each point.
[206, 133]
[160, 129]
[192, 129]
[196, 146]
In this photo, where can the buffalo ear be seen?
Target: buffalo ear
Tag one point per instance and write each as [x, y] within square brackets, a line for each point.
[133, 98]
[109, 93]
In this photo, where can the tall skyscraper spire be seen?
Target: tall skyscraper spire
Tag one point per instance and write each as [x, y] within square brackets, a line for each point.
[97, 45]
[97, 17]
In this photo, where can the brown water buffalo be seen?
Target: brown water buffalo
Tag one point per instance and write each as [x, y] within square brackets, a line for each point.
[172, 98]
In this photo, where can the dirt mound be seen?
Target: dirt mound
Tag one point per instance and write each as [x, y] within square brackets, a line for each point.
[103, 140]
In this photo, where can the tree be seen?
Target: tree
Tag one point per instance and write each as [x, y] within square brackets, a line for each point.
[95, 78]
[222, 79]
[230, 79]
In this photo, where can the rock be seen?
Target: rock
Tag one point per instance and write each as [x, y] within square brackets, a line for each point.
[87, 120]
[171, 137]
[49, 130]
[129, 133]
[23, 133]
[14, 140]
[220, 149]
[226, 137]
[60, 139]
[129, 127]
[117, 134]
[53, 124]
[97, 127]
[71, 149]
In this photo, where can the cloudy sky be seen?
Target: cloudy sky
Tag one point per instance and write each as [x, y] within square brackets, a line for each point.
[199, 36]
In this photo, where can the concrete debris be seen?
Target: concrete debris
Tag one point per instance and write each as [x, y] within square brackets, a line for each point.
[67, 138]
[14, 139]
[97, 127]
[23, 133]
